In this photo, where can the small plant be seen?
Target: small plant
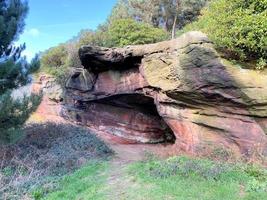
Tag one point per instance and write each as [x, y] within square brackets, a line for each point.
[256, 186]
[38, 194]
[262, 63]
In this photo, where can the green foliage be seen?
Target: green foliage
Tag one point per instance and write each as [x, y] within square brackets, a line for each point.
[14, 70]
[55, 57]
[238, 27]
[54, 62]
[14, 113]
[169, 15]
[129, 32]
[12, 75]
[121, 32]
[12, 15]
[121, 10]
[59, 60]
[34, 65]
[187, 178]
[16, 74]
[94, 38]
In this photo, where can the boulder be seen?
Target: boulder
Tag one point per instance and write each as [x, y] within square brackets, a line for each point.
[179, 91]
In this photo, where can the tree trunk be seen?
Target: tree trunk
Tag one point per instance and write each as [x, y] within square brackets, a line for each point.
[174, 26]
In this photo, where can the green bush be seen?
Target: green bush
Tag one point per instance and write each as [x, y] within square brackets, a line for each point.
[129, 32]
[93, 38]
[238, 27]
[14, 113]
[55, 57]
[54, 62]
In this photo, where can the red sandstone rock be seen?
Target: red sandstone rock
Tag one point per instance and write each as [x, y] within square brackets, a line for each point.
[178, 88]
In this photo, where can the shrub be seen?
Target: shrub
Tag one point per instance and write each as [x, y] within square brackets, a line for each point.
[54, 57]
[73, 60]
[129, 32]
[54, 62]
[47, 153]
[14, 113]
[94, 38]
[238, 27]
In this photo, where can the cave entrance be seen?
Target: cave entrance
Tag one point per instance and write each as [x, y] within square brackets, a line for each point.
[137, 116]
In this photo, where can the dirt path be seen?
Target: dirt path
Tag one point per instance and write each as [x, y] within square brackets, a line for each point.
[119, 182]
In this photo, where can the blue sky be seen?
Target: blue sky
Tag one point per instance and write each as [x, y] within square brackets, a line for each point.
[51, 22]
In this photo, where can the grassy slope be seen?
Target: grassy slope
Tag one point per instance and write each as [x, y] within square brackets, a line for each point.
[176, 178]
[183, 178]
[85, 183]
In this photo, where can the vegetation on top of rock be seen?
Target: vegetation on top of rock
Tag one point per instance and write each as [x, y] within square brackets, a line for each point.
[130, 23]
[237, 27]
[59, 60]
[54, 62]
[165, 14]
[129, 32]
[55, 57]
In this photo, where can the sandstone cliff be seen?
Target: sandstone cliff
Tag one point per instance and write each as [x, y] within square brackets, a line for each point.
[177, 91]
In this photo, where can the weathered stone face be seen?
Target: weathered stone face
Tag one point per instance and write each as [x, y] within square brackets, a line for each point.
[147, 93]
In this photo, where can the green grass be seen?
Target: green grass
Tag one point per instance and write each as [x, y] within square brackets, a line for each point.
[84, 184]
[178, 178]
[183, 178]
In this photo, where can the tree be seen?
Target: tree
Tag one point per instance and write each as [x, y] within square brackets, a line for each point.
[120, 11]
[147, 11]
[12, 66]
[12, 15]
[167, 14]
[14, 69]
[182, 12]
[129, 32]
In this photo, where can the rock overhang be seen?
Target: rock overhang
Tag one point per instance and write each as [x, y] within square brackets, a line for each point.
[202, 99]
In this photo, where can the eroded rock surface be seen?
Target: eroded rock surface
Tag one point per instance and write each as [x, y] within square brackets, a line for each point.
[177, 89]
[50, 106]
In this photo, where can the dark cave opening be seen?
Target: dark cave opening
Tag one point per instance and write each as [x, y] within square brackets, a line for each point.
[143, 106]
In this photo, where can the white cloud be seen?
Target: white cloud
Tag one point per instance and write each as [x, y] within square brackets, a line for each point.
[34, 32]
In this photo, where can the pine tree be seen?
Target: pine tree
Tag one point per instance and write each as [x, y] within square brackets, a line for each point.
[14, 69]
